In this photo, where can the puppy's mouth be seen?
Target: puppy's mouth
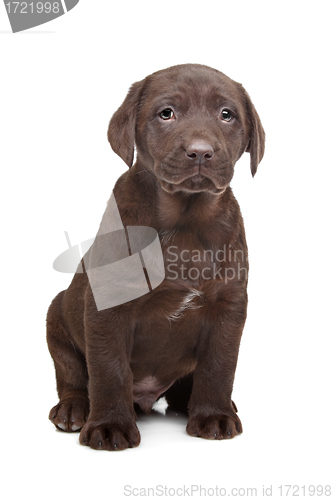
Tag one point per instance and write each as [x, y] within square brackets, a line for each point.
[194, 184]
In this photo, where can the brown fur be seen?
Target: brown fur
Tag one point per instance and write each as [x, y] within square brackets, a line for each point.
[108, 360]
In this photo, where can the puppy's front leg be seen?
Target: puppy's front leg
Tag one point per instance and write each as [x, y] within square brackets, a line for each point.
[111, 423]
[212, 414]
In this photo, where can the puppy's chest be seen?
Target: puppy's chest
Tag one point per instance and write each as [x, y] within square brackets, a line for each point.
[190, 261]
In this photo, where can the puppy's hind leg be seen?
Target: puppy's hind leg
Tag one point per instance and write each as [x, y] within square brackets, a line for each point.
[179, 394]
[72, 411]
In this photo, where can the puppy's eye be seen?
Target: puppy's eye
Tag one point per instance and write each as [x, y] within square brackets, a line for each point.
[227, 115]
[166, 114]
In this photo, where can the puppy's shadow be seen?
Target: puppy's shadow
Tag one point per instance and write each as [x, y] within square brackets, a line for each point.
[161, 411]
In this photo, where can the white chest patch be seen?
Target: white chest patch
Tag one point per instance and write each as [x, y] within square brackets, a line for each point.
[187, 303]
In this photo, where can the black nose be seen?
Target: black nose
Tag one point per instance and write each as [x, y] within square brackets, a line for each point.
[200, 150]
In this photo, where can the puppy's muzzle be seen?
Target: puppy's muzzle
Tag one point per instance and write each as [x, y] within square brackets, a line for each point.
[198, 175]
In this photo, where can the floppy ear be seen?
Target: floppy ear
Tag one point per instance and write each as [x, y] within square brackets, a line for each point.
[121, 132]
[256, 145]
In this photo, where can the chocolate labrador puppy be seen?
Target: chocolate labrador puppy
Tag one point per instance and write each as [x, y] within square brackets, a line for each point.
[190, 124]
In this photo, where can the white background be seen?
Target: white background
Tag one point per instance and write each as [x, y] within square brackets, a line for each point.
[60, 84]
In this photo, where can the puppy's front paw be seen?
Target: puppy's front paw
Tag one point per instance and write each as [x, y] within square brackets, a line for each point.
[214, 426]
[110, 436]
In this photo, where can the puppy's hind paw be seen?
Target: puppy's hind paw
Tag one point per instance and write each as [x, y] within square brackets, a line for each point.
[214, 426]
[69, 416]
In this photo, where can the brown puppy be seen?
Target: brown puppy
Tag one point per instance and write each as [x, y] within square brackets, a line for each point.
[190, 125]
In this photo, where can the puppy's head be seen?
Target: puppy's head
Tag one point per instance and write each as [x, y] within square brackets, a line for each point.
[190, 124]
